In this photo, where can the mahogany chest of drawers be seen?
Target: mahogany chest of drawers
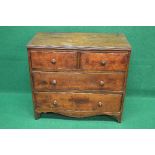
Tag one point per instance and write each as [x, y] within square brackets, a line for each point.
[79, 74]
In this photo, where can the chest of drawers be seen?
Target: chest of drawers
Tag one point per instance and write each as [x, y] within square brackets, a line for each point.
[79, 74]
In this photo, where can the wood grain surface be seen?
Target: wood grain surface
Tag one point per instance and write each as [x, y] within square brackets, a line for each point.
[94, 41]
[78, 81]
[85, 102]
[63, 60]
[113, 61]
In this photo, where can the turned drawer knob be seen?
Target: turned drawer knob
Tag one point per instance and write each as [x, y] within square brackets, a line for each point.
[54, 82]
[100, 104]
[55, 103]
[53, 61]
[101, 83]
[103, 63]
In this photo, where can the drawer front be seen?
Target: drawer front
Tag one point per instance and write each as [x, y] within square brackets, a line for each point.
[83, 102]
[53, 60]
[47, 81]
[104, 61]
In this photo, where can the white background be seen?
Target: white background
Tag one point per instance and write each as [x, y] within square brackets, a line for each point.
[77, 142]
[77, 13]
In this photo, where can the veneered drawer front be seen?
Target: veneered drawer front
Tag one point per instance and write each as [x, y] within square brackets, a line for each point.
[50, 102]
[47, 81]
[104, 61]
[53, 60]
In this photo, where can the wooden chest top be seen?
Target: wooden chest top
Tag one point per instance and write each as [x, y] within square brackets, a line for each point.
[83, 41]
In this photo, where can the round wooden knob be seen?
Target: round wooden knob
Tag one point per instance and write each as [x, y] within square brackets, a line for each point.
[54, 82]
[53, 61]
[101, 83]
[100, 104]
[103, 62]
[55, 103]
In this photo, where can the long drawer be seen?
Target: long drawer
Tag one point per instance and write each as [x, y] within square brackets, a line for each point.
[51, 81]
[75, 102]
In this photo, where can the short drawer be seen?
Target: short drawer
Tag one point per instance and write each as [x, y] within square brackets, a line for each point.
[51, 60]
[83, 102]
[47, 81]
[104, 61]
